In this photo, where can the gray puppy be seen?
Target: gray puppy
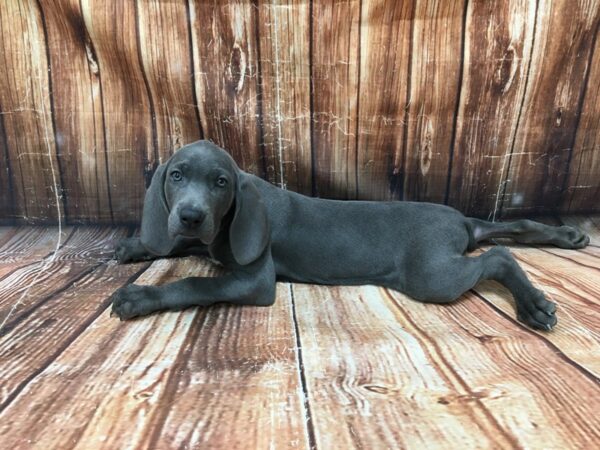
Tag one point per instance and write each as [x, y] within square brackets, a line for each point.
[200, 201]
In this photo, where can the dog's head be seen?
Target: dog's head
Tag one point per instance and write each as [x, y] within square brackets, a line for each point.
[197, 192]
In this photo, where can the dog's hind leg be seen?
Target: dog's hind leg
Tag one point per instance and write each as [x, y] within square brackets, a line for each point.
[528, 232]
[444, 280]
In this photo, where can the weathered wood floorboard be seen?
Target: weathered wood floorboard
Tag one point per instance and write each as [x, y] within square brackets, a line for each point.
[374, 368]
[228, 375]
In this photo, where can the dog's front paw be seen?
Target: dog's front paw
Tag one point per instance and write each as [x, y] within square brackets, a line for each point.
[571, 238]
[134, 300]
[131, 250]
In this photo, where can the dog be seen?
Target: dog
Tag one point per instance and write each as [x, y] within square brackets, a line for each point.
[200, 202]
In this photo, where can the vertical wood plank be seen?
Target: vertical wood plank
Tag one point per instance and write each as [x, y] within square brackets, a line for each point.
[125, 104]
[284, 38]
[225, 50]
[583, 180]
[335, 73]
[165, 50]
[436, 64]
[385, 52]
[77, 113]
[545, 135]
[498, 41]
[7, 200]
[26, 112]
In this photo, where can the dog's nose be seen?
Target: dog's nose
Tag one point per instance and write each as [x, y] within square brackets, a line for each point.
[191, 217]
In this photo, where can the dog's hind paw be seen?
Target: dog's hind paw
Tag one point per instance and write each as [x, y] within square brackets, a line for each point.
[537, 312]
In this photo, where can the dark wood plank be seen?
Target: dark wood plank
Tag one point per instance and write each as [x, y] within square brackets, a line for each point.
[28, 245]
[225, 51]
[22, 290]
[335, 75]
[583, 180]
[545, 134]
[435, 78]
[131, 383]
[77, 112]
[7, 201]
[383, 371]
[126, 106]
[384, 59]
[165, 51]
[498, 42]
[284, 40]
[26, 113]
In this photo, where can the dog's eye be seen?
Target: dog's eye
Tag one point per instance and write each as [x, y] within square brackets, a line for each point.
[176, 175]
[221, 181]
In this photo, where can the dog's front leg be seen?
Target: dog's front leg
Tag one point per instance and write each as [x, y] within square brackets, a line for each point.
[241, 287]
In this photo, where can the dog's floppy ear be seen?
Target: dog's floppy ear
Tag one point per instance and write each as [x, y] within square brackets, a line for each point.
[249, 229]
[155, 217]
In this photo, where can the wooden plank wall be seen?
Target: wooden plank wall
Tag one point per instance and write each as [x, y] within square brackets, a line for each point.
[488, 106]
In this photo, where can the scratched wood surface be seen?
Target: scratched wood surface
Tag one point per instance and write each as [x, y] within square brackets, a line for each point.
[325, 367]
[488, 106]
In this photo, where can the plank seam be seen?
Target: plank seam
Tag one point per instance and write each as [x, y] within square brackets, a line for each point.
[15, 393]
[260, 94]
[305, 398]
[584, 371]
[191, 52]
[313, 156]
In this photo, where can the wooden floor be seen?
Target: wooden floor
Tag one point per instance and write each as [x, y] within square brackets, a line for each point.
[330, 368]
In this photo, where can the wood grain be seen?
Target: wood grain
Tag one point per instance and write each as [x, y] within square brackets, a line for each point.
[128, 125]
[165, 52]
[335, 41]
[118, 390]
[284, 45]
[77, 113]
[545, 135]
[484, 380]
[385, 41]
[26, 114]
[225, 53]
[435, 82]
[497, 49]
[582, 186]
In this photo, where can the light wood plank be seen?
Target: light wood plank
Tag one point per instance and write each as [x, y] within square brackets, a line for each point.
[411, 375]
[172, 379]
[284, 39]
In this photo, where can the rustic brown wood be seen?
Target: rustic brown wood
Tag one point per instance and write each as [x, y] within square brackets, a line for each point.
[118, 389]
[545, 134]
[26, 113]
[77, 112]
[165, 51]
[225, 51]
[497, 49]
[582, 187]
[284, 38]
[335, 42]
[435, 80]
[385, 41]
[128, 125]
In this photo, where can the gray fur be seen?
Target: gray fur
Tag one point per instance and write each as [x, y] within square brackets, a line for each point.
[260, 232]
